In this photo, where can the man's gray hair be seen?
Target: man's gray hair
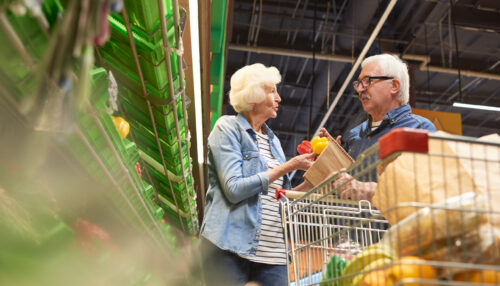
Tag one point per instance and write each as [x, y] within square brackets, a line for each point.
[247, 85]
[391, 65]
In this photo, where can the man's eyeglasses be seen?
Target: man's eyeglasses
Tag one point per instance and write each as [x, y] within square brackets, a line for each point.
[367, 81]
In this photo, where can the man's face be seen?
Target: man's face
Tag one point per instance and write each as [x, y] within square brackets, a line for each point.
[377, 98]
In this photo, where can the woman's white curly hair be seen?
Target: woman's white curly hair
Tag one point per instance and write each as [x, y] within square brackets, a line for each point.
[247, 85]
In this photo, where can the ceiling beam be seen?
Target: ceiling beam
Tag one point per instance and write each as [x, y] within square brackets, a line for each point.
[345, 59]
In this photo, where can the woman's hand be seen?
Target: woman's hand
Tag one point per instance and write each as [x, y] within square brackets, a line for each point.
[300, 162]
[303, 162]
[349, 188]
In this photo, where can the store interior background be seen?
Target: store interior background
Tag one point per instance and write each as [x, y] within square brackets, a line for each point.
[73, 208]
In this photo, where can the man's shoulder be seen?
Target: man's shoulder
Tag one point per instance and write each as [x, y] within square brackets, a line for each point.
[422, 122]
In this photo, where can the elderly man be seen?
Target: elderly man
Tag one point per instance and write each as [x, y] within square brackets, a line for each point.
[383, 87]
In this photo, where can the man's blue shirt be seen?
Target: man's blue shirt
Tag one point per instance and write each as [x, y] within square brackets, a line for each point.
[237, 177]
[362, 137]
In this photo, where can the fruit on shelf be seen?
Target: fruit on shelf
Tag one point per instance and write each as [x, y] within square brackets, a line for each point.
[479, 276]
[305, 147]
[319, 144]
[122, 125]
[410, 267]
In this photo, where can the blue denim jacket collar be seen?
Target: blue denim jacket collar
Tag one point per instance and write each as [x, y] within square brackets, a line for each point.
[390, 118]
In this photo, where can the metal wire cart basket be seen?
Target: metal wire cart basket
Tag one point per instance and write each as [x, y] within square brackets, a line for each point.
[434, 217]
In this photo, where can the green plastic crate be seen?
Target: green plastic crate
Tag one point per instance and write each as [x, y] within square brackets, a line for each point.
[142, 38]
[145, 14]
[155, 77]
[169, 137]
[165, 123]
[31, 35]
[179, 189]
[173, 218]
[172, 161]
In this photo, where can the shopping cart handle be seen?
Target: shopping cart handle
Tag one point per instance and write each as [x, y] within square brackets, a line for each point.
[279, 193]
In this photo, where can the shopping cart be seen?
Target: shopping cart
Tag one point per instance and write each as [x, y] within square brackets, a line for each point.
[433, 220]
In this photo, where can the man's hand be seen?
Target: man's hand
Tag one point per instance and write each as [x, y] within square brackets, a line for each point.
[349, 188]
[324, 133]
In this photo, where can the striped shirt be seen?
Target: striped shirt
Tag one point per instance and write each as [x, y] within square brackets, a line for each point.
[271, 248]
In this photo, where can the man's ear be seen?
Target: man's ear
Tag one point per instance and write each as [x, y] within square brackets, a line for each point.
[395, 86]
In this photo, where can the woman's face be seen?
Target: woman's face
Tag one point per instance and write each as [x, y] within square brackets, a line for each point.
[269, 106]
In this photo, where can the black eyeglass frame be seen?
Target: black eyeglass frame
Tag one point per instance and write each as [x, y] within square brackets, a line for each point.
[356, 83]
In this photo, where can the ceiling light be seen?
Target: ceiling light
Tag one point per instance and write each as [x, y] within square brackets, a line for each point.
[474, 106]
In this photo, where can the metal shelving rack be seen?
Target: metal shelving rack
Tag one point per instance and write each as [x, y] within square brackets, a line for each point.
[153, 100]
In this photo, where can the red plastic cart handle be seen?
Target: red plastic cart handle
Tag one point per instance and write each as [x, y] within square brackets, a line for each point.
[279, 193]
[403, 139]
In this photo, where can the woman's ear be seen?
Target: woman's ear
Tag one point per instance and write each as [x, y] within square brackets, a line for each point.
[396, 85]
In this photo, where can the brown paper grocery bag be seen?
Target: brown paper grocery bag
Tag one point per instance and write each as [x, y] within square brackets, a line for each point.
[449, 169]
[332, 159]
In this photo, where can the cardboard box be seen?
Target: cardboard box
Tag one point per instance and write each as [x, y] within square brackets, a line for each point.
[332, 159]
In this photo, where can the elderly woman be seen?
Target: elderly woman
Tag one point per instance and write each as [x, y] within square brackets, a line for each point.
[241, 235]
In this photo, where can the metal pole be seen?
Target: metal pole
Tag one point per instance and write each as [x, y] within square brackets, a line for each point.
[357, 63]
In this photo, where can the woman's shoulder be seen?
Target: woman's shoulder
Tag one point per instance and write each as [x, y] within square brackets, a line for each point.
[226, 124]
[226, 120]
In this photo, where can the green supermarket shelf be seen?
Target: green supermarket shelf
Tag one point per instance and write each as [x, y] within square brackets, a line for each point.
[13, 65]
[145, 14]
[155, 78]
[152, 163]
[148, 44]
[52, 10]
[126, 195]
[16, 70]
[168, 137]
[162, 107]
[180, 190]
[136, 109]
[172, 160]
[148, 192]
[29, 32]
[186, 222]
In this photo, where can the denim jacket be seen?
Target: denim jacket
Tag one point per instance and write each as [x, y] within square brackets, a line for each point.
[238, 177]
[361, 137]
